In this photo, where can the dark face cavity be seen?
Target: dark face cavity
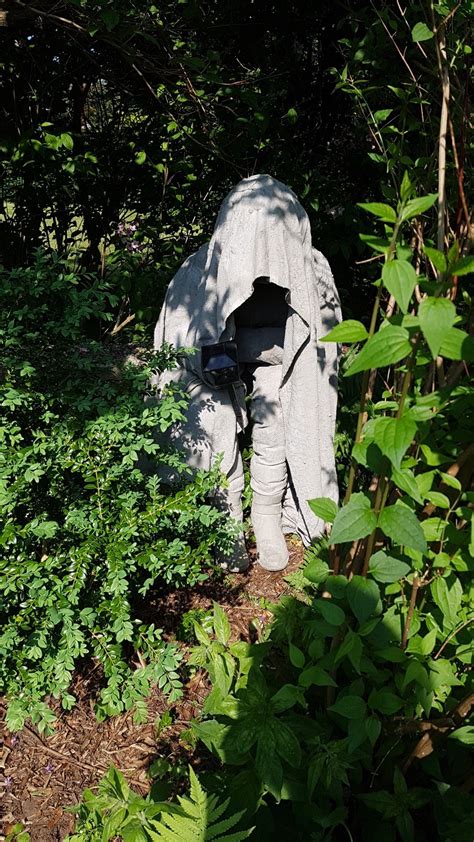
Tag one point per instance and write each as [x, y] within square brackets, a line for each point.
[266, 307]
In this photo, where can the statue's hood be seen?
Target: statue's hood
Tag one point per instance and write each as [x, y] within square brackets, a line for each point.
[261, 231]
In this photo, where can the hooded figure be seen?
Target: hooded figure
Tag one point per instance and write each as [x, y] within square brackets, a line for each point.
[259, 284]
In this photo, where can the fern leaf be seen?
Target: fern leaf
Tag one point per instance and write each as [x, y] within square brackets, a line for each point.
[224, 825]
[196, 819]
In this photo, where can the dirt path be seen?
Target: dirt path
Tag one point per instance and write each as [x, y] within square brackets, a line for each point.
[40, 776]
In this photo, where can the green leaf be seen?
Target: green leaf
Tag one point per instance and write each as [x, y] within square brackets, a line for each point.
[432, 458]
[375, 243]
[316, 675]
[221, 624]
[400, 279]
[316, 571]
[379, 209]
[405, 479]
[351, 707]
[348, 331]
[438, 499]
[417, 206]
[333, 614]
[140, 157]
[457, 345]
[450, 481]
[363, 596]
[447, 594]
[422, 645]
[355, 520]
[287, 697]
[406, 187]
[464, 266]
[400, 524]
[292, 115]
[385, 568]
[464, 735]
[436, 317]
[389, 345]
[373, 727]
[385, 701]
[324, 508]
[394, 436]
[296, 656]
[437, 258]
[421, 32]
[67, 140]
[352, 648]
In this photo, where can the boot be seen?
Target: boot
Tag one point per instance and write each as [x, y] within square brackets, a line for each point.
[272, 552]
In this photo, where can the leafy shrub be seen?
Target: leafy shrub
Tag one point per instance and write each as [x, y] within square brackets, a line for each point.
[329, 723]
[86, 531]
[116, 811]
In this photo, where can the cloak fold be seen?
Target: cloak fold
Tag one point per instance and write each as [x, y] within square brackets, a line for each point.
[263, 231]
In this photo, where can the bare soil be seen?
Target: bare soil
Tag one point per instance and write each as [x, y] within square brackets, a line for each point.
[41, 776]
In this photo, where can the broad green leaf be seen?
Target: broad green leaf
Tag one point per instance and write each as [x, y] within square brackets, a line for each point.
[405, 480]
[347, 331]
[436, 317]
[394, 436]
[437, 258]
[379, 209]
[400, 279]
[324, 508]
[400, 524]
[434, 528]
[447, 594]
[385, 701]
[355, 520]
[464, 266]
[450, 481]
[421, 32]
[465, 735]
[373, 726]
[438, 499]
[352, 648]
[351, 707]
[317, 676]
[385, 568]
[221, 624]
[267, 763]
[375, 243]
[333, 614]
[67, 141]
[363, 596]
[387, 346]
[434, 459]
[406, 187]
[286, 742]
[316, 571]
[286, 697]
[417, 206]
[140, 157]
[419, 645]
[457, 345]
[296, 656]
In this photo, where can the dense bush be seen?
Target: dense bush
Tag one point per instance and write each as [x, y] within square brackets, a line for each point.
[86, 533]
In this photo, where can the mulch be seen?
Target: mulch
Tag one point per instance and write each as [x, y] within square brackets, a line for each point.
[44, 775]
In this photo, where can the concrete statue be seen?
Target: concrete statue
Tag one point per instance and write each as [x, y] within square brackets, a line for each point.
[254, 302]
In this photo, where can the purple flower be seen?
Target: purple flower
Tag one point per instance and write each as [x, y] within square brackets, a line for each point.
[49, 767]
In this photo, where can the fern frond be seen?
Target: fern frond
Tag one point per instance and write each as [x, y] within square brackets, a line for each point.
[197, 819]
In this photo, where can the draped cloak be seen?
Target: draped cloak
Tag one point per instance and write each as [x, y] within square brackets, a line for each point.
[263, 231]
